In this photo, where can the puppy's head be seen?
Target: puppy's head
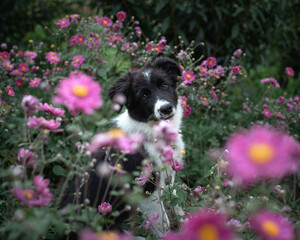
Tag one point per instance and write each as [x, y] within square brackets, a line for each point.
[151, 91]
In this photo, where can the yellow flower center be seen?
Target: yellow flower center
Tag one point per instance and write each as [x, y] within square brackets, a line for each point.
[261, 153]
[80, 91]
[23, 68]
[188, 76]
[208, 232]
[53, 58]
[63, 22]
[80, 39]
[116, 133]
[211, 62]
[33, 82]
[108, 236]
[105, 22]
[270, 228]
[205, 99]
[28, 194]
[52, 53]
[77, 60]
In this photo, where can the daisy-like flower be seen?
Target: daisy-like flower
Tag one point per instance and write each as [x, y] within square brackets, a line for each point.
[145, 175]
[237, 70]
[206, 225]
[104, 208]
[94, 43]
[105, 22]
[52, 57]
[214, 95]
[204, 100]
[10, 91]
[289, 72]
[23, 68]
[116, 138]
[138, 32]
[77, 61]
[77, 39]
[281, 100]
[267, 113]
[80, 93]
[272, 226]
[7, 66]
[74, 18]
[16, 72]
[186, 108]
[188, 76]
[75, 73]
[48, 108]
[121, 16]
[30, 104]
[211, 62]
[203, 71]
[115, 38]
[35, 82]
[149, 46]
[26, 157]
[261, 153]
[152, 219]
[19, 82]
[43, 124]
[271, 80]
[177, 166]
[63, 23]
[237, 53]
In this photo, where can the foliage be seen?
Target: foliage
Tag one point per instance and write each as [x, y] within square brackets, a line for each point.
[218, 101]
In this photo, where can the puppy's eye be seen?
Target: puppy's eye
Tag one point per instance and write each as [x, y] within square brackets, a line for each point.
[144, 96]
[164, 86]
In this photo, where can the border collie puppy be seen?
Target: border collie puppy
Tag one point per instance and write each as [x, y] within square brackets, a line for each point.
[150, 97]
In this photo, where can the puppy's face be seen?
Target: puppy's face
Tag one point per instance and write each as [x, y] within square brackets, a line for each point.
[151, 91]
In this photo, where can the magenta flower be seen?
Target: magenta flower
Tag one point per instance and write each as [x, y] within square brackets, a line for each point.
[121, 16]
[104, 208]
[270, 80]
[145, 175]
[10, 91]
[116, 138]
[77, 39]
[281, 100]
[237, 70]
[30, 104]
[206, 225]
[261, 153]
[237, 53]
[43, 124]
[296, 99]
[19, 82]
[75, 73]
[203, 71]
[105, 22]
[138, 32]
[74, 18]
[165, 132]
[267, 113]
[149, 46]
[214, 95]
[115, 38]
[279, 115]
[289, 72]
[52, 57]
[80, 93]
[188, 77]
[26, 157]
[63, 23]
[94, 43]
[177, 166]
[152, 219]
[211, 62]
[16, 72]
[35, 82]
[7, 66]
[31, 55]
[272, 226]
[166, 153]
[77, 61]
[186, 108]
[197, 192]
[48, 108]
[23, 68]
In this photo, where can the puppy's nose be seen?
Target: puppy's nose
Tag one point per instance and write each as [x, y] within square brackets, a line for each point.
[166, 109]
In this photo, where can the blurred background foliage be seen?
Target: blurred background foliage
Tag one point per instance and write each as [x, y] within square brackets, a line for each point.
[267, 30]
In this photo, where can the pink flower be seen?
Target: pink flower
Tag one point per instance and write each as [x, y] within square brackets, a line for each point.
[121, 16]
[267, 113]
[270, 80]
[35, 82]
[26, 157]
[116, 138]
[197, 192]
[19, 82]
[149, 46]
[211, 62]
[204, 100]
[94, 43]
[138, 32]
[7, 66]
[104, 208]
[10, 91]
[63, 23]
[296, 99]
[188, 76]
[272, 226]
[186, 108]
[105, 22]
[115, 38]
[23, 68]
[165, 132]
[237, 53]
[203, 71]
[246, 107]
[16, 72]
[237, 70]
[31, 55]
[77, 61]
[281, 100]
[289, 72]
[158, 48]
[261, 153]
[80, 93]
[206, 225]
[166, 154]
[30, 104]
[145, 175]
[279, 115]
[177, 166]
[77, 39]
[48, 108]
[74, 18]
[43, 124]
[214, 95]
[152, 219]
[52, 57]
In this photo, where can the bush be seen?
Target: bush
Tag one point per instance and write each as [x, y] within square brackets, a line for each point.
[45, 146]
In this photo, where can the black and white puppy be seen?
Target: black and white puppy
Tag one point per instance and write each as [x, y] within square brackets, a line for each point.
[150, 96]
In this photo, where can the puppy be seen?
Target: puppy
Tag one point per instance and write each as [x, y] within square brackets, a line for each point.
[150, 97]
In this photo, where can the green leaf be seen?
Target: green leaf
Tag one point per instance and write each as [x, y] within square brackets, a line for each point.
[59, 171]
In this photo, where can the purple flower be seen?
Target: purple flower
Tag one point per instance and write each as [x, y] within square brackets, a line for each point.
[211, 62]
[30, 104]
[272, 81]
[188, 77]
[237, 53]
[26, 157]
[289, 72]
[281, 100]
[35, 82]
[267, 113]
[48, 108]
[77, 61]
[121, 15]
[145, 175]
[63, 23]
[43, 124]
[104, 208]
[177, 166]
[237, 70]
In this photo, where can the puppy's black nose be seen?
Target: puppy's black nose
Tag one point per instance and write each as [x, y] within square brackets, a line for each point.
[166, 109]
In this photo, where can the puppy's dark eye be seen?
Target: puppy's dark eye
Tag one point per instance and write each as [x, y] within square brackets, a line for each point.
[164, 86]
[144, 96]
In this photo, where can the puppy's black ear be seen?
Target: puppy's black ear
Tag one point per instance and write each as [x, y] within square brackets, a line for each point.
[168, 65]
[119, 90]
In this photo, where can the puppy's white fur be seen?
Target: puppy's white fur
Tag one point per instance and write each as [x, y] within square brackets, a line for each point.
[152, 204]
